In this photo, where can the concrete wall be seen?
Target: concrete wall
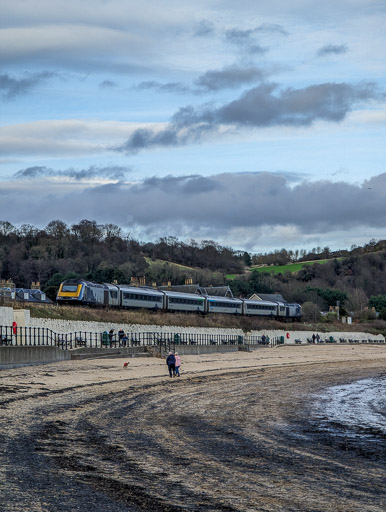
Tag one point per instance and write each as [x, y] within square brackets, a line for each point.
[14, 356]
[67, 326]
[22, 317]
[303, 335]
[6, 316]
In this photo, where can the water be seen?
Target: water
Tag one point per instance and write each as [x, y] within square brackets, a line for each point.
[355, 411]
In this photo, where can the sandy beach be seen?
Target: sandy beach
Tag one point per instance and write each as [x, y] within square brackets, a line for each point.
[232, 434]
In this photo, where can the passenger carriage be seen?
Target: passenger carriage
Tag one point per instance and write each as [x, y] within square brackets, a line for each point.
[140, 298]
[224, 305]
[259, 308]
[188, 302]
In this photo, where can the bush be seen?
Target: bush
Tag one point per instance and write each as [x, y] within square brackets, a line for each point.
[330, 318]
[365, 315]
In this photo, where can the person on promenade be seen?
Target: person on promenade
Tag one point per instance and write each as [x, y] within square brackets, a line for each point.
[317, 338]
[313, 338]
[111, 334]
[263, 339]
[171, 362]
[121, 333]
[177, 364]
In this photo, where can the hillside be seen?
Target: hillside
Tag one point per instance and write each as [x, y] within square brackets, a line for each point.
[318, 279]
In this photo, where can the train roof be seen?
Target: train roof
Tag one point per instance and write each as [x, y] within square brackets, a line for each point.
[221, 291]
[183, 295]
[224, 299]
[140, 289]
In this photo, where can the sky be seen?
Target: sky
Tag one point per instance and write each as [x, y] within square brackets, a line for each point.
[258, 125]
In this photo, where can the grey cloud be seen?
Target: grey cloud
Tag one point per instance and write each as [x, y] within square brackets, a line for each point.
[230, 77]
[160, 87]
[245, 40]
[215, 204]
[192, 184]
[271, 28]
[112, 172]
[332, 49]
[108, 84]
[261, 106]
[15, 86]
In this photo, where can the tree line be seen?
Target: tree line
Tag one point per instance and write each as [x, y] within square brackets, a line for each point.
[102, 252]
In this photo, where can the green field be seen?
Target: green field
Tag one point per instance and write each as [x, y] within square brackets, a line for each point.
[291, 267]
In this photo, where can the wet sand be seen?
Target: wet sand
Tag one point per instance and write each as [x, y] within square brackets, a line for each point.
[234, 433]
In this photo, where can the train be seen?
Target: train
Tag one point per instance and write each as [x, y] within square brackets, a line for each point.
[79, 291]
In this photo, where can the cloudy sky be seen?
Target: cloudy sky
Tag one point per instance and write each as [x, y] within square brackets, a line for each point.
[259, 125]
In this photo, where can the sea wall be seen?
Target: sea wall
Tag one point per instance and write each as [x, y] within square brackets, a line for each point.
[11, 357]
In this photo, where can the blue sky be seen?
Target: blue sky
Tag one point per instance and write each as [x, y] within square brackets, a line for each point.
[259, 125]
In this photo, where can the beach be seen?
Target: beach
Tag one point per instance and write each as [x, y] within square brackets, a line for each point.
[233, 433]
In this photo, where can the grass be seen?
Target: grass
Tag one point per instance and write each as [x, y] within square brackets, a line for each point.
[170, 263]
[291, 267]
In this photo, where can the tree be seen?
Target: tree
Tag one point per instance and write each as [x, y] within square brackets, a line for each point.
[310, 312]
[382, 314]
[87, 231]
[378, 302]
[330, 297]
[6, 228]
[357, 300]
[57, 229]
[247, 259]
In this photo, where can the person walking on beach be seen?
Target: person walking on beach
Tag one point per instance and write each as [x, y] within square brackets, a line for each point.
[317, 338]
[313, 338]
[171, 362]
[178, 364]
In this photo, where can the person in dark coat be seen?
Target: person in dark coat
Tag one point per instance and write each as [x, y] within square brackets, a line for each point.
[171, 362]
[121, 334]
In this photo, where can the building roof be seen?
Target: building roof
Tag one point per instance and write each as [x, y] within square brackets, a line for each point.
[273, 297]
[28, 295]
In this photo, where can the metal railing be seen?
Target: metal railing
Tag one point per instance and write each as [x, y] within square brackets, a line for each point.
[43, 336]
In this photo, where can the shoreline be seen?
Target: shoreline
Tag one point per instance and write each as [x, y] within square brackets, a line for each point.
[232, 434]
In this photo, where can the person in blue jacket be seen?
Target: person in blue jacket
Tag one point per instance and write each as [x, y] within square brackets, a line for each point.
[171, 362]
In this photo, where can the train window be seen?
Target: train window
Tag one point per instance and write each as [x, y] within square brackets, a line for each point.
[69, 288]
[113, 294]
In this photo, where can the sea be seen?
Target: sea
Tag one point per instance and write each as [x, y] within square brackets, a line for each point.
[354, 413]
